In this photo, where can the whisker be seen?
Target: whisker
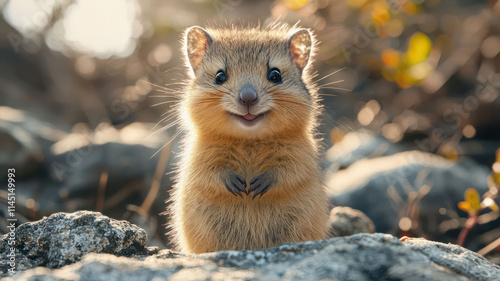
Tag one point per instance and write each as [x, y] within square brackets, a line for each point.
[162, 129]
[168, 90]
[170, 111]
[328, 95]
[164, 102]
[335, 88]
[162, 89]
[344, 124]
[335, 82]
[295, 103]
[165, 96]
[176, 83]
[330, 74]
[171, 139]
[163, 120]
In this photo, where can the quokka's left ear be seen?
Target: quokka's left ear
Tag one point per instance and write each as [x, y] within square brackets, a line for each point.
[301, 45]
[197, 40]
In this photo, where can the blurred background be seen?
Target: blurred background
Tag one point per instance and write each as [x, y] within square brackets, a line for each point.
[410, 88]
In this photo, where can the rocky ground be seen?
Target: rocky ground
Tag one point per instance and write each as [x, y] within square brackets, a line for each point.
[89, 246]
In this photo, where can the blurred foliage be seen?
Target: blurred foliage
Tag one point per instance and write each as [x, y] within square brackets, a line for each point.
[411, 67]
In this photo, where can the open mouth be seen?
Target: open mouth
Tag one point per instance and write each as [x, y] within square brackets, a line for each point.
[249, 119]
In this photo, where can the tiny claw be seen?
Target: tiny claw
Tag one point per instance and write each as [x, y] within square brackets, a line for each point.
[261, 190]
[229, 189]
[260, 185]
[255, 195]
[235, 184]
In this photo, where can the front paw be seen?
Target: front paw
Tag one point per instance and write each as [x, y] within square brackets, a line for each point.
[235, 183]
[261, 184]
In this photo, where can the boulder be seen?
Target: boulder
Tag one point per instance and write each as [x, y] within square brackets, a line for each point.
[359, 257]
[62, 239]
[413, 184]
[19, 149]
[357, 145]
[345, 221]
[115, 251]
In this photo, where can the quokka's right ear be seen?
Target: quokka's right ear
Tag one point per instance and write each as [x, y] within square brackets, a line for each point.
[196, 43]
[301, 46]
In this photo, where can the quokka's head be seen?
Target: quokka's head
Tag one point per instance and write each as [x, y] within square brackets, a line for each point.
[249, 83]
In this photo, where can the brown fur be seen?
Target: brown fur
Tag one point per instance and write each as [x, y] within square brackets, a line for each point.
[205, 216]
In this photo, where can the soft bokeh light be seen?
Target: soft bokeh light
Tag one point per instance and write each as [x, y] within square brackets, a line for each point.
[85, 66]
[29, 16]
[469, 131]
[101, 28]
[160, 55]
[368, 113]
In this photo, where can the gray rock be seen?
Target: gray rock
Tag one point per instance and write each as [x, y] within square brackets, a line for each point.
[77, 170]
[345, 221]
[357, 145]
[382, 187]
[25, 140]
[72, 170]
[18, 148]
[63, 239]
[359, 257]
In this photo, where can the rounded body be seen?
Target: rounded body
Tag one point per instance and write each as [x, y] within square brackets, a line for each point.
[249, 175]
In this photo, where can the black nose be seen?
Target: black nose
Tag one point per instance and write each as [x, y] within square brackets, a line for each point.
[248, 96]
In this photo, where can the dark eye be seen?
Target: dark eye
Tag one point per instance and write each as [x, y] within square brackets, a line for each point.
[274, 75]
[220, 77]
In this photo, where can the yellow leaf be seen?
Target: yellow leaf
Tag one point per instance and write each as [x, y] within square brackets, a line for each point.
[419, 49]
[403, 80]
[410, 8]
[390, 57]
[464, 206]
[472, 197]
[494, 207]
[496, 178]
[380, 13]
[496, 169]
[295, 4]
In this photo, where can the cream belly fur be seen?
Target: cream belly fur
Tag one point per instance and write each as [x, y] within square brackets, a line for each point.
[209, 218]
[244, 225]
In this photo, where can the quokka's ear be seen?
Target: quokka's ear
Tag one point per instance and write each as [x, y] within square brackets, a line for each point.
[301, 44]
[197, 40]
